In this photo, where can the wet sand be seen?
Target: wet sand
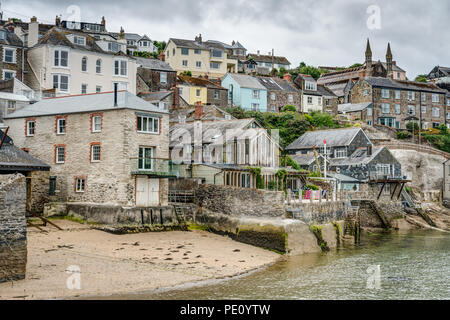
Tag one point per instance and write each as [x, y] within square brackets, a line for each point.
[121, 264]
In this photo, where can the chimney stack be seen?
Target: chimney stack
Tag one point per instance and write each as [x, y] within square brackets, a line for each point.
[176, 97]
[33, 32]
[58, 21]
[162, 56]
[116, 85]
[198, 110]
[103, 21]
[287, 76]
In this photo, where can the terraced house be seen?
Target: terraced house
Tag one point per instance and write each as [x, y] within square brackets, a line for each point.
[396, 102]
[280, 92]
[12, 56]
[210, 58]
[194, 90]
[245, 91]
[103, 148]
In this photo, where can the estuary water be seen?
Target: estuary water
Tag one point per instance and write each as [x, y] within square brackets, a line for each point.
[413, 265]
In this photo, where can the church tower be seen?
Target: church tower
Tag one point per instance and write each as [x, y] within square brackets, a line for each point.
[368, 56]
[389, 61]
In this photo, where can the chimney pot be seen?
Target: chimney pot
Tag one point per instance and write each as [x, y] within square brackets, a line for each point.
[33, 19]
[287, 76]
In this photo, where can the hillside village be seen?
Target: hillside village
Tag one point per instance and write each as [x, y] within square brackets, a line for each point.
[114, 129]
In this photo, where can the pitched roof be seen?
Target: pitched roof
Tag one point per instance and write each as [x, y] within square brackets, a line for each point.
[358, 157]
[154, 96]
[154, 64]
[353, 107]
[15, 159]
[237, 45]
[276, 84]
[11, 38]
[269, 58]
[204, 45]
[334, 138]
[326, 92]
[199, 82]
[84, 103]
[405, 85]
[210, 113]
[245, 81]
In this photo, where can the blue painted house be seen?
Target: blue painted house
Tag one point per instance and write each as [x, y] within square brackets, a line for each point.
[245, 91]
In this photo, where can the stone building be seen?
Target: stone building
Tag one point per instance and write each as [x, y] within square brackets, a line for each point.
[280, 92]
[154, 75]
[167, 100]
[340, 81]
[395, 102]
[329, 99]
[312, 99]
[205, 113]
[266, 63]
[106, 148]
[12, 56]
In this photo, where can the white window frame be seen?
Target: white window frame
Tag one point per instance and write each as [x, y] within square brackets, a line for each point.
[59, 64]
[385, 108]
[119, 66]
[310, 100]
[255, 94]
[94, 118]
[184, 63]
[198, 64]
[369, 111]
[59, 127]
[163, 78]
[423, 109]
[29, 127]
[212, 65]
[59, 81]
[411, 96]
[98, 66]
[397, 94]
[58, 154]
[291, 98]
[14, 73]
[80, 43]
[435, 114]
[11, 104]
[413, 108]
[84, 87]
[397, 109]
[80, 186]
[272, 96]
[94, 146]
[147, 120]
[340, 153]
[14, 56]
[142, 164]
[435, 98]
[385, 93]
[423, 96]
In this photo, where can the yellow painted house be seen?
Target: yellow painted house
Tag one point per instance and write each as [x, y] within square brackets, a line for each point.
[192, 89]
[209, 58]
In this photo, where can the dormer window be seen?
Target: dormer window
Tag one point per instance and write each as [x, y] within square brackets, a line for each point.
[114, 47]
[310, 86]
[81, 41]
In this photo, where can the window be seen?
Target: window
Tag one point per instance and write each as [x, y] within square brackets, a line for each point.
[423, 96]
[411, 110]
[96, 123]
[369, 122]
[214, 65]
[80, 185]
[61, 82]
[79, 40]
[7, 75]
[255, 94]
[435, 112]
[147, 124]
[30, 126]
[198, 93]
[61, 125]
[448, 115]
[291, 98]
[340, 153]
[52, 187]
[397, 109]
[98, 66]
[145, 158]
[310, 100]
[120, 67]
[163, 77]
[173, 51]
[113, 46]
[185, 51]
[366, 92]
[61, 58]
[272, 109]
[397, 94]
[197, 51]
[369, 111]
[95, 152]
[411, 96]
[11, 105]
[448, 102]
[216, 94]
[98, 89]
[385, 93]
[423, 109]
[255, 106]
[435, 98]
[83, 88]
[327, 102]
[383, 169]
[2, 35]
[60, 154]
[310, 86]
[319, 100]
[385, 108]
[9, 55]
[198, 64]
[216, 53]
[185, 63]
[397, 124]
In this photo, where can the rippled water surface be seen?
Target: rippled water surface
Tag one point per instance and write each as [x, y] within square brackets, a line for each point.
[413, 266]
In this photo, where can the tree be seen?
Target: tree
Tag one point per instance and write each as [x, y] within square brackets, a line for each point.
[187, 73]
[355, 65]
[145, 54]
[160, 45]
[421, 78]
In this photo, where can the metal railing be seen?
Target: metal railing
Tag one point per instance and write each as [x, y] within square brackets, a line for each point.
[155, 167]
[181, 196]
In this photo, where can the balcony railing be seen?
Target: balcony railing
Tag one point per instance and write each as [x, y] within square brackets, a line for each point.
[154, 167]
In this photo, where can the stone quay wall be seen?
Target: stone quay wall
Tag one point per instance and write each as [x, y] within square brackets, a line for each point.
[318, 213]
[13, 227]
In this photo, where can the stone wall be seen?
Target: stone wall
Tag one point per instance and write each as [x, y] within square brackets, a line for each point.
[233, 201]
[370, 219]
[318, 213]
[149, 80]
[282, 99]
[39, 187]
[13, 227]
[223, 97]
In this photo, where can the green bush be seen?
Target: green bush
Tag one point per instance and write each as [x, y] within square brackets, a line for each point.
[443, 128]
[288, 108]
[404, 134]
[412, 125]
[287, 161]
[311, 187]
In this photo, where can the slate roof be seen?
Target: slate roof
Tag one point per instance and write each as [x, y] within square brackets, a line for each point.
[155, 96]
[245, 81]
[14, 159]
[153, 64]
[84, 103]
[325, 92]
[199, 82]
[11, 39]
[358, 157]
[403, 85]
[353, 107]
[12, 96]
[237, 45]
[337, 88]
[268, 58]
[276, 84]
[204, 45]
[210, 113]
[343, 177]
[334, 137]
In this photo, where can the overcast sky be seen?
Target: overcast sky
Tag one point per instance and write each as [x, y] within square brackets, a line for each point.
[318, 32]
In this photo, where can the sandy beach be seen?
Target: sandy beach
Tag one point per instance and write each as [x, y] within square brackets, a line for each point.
[118, 264]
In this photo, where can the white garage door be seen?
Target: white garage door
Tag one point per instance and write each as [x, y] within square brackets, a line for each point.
[147, 192]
